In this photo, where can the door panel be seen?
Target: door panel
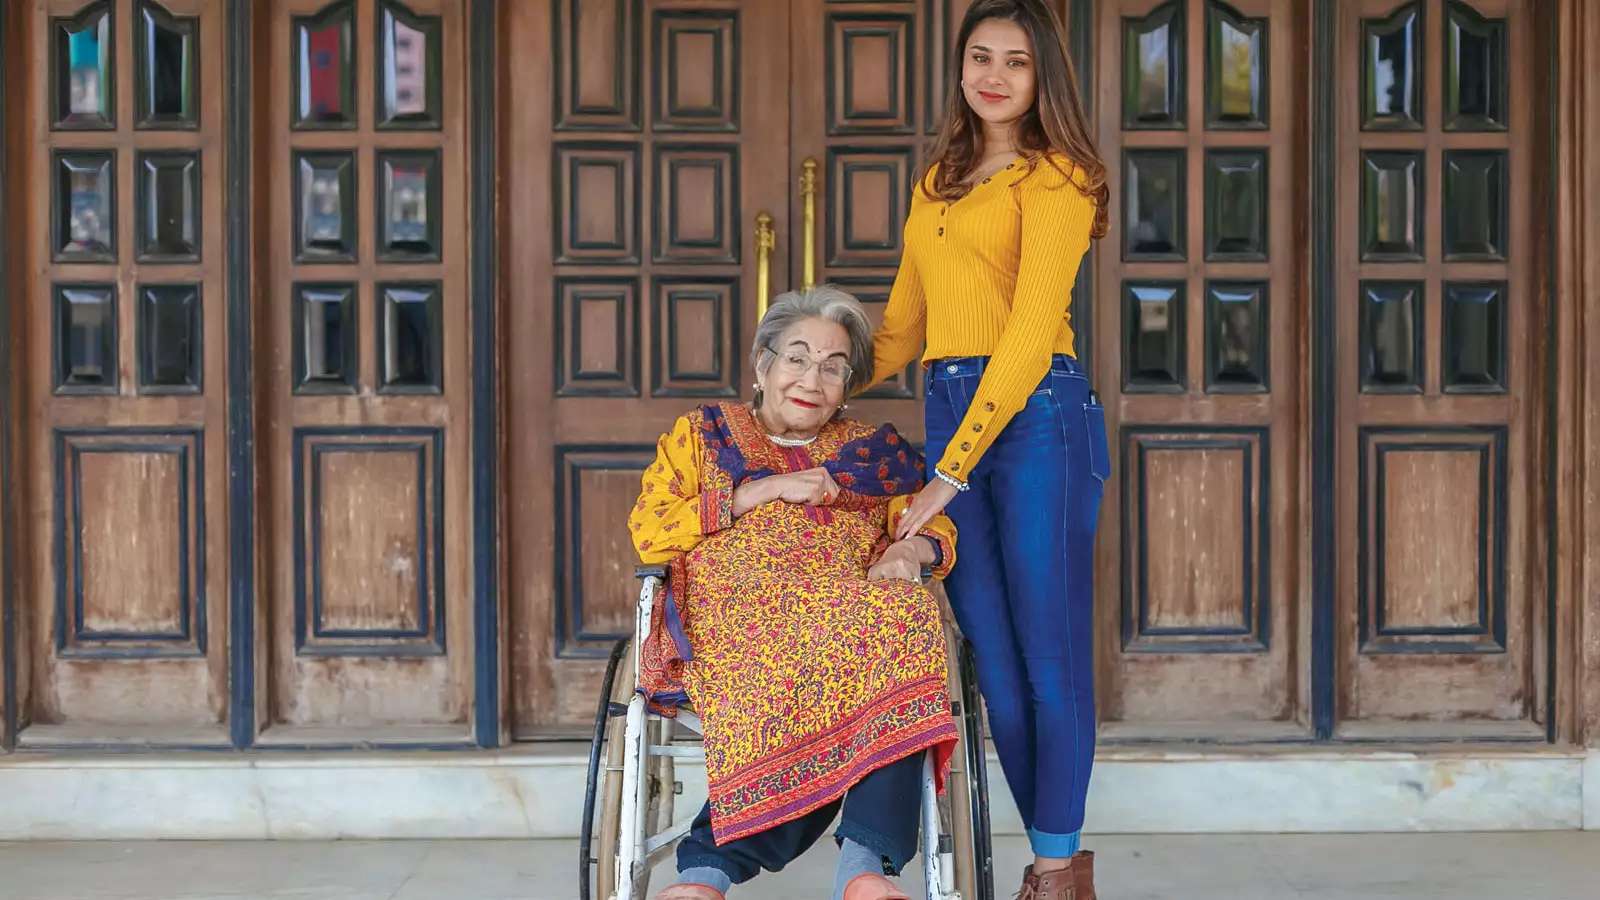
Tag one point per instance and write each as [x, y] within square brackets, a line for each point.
[362, 319]
[631, 189]
[1197, 356]
[121, 371]
[1439, 589]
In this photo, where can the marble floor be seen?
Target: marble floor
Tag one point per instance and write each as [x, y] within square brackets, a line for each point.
[1525, 866]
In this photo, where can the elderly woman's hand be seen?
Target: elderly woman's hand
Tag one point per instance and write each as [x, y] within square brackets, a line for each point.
[814, 487]
[902, 560]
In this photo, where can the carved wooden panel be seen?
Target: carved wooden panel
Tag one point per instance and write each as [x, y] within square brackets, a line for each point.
[695, 322]
[598, 202]
[369, 542]
[596, 46]
[871, 74]
[130, 543]
[695, 82]
[869, 195]
[695, 203]
[873, 292]
[1433, 536]
[597, 337]
[596, 489]
[1196, 538]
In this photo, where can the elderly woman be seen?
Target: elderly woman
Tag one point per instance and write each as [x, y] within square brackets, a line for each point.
[799, 631]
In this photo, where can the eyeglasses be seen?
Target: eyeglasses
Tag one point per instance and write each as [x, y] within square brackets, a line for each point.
[796, 364]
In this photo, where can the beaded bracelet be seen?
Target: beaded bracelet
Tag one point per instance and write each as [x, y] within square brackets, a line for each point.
[951, 480]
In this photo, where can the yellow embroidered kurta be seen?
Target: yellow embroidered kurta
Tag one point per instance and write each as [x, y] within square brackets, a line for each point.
[806, 675]
[989, 275]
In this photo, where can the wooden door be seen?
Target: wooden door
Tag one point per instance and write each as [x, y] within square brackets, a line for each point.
[1199, 357]
[640, 141]
[1441, 591]
[117, 158]
[869, 89]
[362, 319]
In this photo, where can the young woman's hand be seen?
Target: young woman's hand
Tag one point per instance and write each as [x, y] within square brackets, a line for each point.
[929, 502]
[903, 560]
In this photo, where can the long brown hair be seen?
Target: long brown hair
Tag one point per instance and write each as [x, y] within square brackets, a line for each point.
[1056, 120]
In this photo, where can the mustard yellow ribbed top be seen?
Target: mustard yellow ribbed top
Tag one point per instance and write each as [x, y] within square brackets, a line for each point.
[989, 275]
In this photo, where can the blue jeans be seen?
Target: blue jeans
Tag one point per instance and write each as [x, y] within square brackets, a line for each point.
[1023, 588]
[882, 812]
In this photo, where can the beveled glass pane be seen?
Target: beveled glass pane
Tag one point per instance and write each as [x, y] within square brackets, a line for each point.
[1391, 70]
[1391, 205]
[167, 206]
[410, 346]
[84, 71]
[84, 207]
[1236, 69]
[325, 206]
[408, 68]
[1152, 69]
[408, 205]
[168, 54]
[1474, 212]
[1153, 336]
[1474, 337]
[169, 338]
[324, 68]
[1474, 70]
[1153, 204]
[325, 338]
[1391, 336]
[1236, 204]
[86, 338]
[1236, 336]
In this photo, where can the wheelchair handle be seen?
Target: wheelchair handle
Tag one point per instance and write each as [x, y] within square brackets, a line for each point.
[643, 572]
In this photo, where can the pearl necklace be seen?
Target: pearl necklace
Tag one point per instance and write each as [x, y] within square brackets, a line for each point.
[791, 442]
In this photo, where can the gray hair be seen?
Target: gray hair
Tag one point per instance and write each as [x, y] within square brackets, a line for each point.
[821, 302]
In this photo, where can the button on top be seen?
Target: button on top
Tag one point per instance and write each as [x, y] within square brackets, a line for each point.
[941, 231]
[952, 369]
[977, 426]
[965, 445]
[986, 180]
[989, 406]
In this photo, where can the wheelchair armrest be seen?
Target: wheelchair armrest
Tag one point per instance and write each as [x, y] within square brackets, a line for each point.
[643, 572]
[927, 574]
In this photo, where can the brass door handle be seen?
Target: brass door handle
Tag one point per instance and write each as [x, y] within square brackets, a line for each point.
[766, 241]
[808, 201]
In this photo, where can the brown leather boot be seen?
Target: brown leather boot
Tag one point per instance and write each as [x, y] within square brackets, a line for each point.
[1075, 882]
[1030, 885]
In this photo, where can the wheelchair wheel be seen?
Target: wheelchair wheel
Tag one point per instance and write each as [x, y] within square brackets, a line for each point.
[601, 836]
[965, 806]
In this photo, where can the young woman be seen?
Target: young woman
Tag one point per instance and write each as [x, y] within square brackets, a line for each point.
[999, 222]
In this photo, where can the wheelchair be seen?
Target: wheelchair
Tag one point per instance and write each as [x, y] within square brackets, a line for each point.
[628, 821]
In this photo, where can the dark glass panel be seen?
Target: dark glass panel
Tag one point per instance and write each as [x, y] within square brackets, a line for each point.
[1474, 212]
[1152, 69]
[1474, 337]
[1236, 336]
[324, 68]
[1153, 196]
[325, 206]
[86, 338]
[1391, 70]
[1474, 70]
[1236, 69]
[168, 54]
[167, 206]
[85, 207]
[84, 71]
[325, 338]
[1391, 205]
[1236, 204]
[408, 68]
[1391, 336]
[409, 341]
[1153, 336]
[408, 205]
[169, 338]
